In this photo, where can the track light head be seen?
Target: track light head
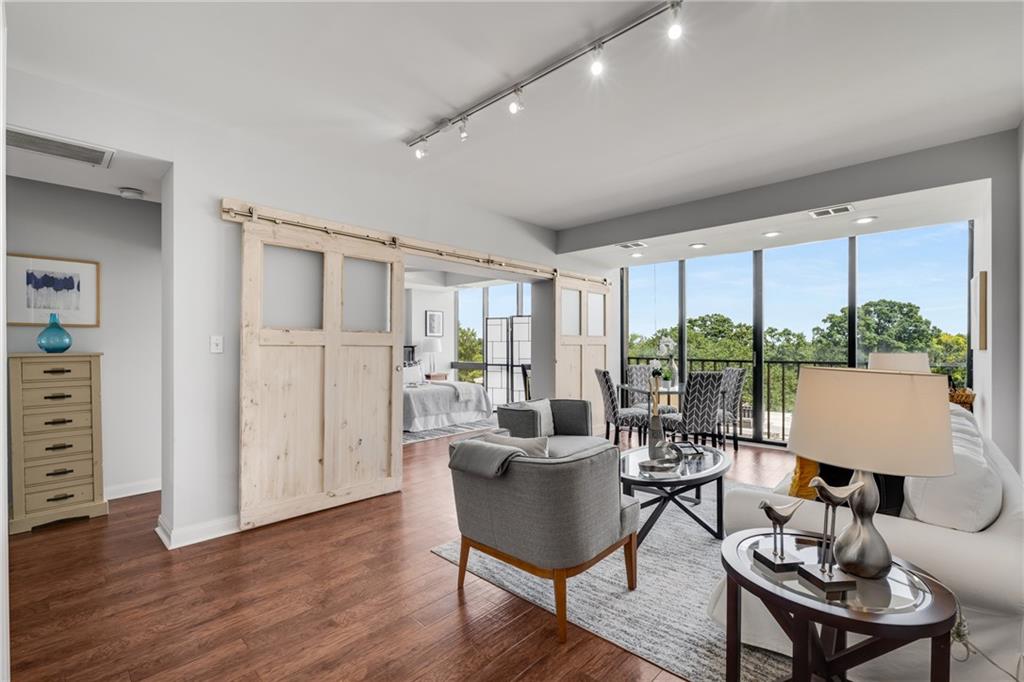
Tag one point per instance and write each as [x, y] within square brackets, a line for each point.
[597, 62]
[463, 134]
[419, 150]
[516, 105]
[675, 26]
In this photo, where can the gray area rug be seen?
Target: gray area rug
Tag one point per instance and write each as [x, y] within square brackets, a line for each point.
[665, 619]
[445, 431]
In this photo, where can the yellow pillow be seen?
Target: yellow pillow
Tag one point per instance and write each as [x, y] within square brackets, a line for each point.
[803, 472]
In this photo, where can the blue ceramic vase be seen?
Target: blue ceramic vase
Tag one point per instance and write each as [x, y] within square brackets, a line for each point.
[55, 338]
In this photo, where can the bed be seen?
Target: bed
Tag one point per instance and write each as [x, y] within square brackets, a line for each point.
[435, 404]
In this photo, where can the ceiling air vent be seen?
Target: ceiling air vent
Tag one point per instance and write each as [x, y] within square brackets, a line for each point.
[62, 148]
[831, 210]
[629, 246]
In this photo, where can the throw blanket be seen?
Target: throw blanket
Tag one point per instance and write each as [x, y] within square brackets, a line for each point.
[463, 389]
[480, 458]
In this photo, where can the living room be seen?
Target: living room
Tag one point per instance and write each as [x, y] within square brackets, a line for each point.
[769, 260]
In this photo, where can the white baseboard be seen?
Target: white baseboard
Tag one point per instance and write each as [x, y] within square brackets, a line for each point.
[113, 492]
[173, 538]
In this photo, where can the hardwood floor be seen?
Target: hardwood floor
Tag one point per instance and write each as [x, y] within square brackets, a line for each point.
[348, 593]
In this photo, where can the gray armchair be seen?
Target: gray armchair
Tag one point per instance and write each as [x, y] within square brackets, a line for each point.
[572, 422]
[553, 517]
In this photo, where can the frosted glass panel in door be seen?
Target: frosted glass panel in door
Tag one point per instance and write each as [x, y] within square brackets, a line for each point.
[293, 288]
[595, 314]
[366, 296]
[571, 308]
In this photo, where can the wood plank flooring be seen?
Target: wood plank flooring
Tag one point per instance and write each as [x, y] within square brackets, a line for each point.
[348, 593]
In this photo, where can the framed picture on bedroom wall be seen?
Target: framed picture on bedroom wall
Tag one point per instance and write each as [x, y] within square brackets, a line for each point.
[40, 285]
[434, 325]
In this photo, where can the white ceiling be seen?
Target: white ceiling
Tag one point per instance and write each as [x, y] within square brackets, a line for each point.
[754, 93]
[953, 203]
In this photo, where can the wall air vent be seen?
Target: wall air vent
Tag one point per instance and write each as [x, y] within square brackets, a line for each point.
[51, 145]
[629, 246]
[831, 210]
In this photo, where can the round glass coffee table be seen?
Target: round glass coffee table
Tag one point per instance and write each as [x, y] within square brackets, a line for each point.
[893, 611]
[706, 465]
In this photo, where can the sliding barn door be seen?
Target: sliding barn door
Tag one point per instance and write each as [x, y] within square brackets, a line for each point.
[582, 311]
[321, 370]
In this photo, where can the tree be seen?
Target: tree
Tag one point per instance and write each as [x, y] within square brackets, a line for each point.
[471, 349]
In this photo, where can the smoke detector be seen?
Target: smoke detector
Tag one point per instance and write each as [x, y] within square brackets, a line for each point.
[130, 193]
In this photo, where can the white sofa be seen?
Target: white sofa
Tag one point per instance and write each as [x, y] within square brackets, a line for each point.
[984, 569]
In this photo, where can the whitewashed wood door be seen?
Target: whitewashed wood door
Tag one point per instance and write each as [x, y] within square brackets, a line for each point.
[321, 404]
[582, 338]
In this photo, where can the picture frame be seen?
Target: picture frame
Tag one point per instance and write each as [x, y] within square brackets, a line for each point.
[40, 285]
[433, 323]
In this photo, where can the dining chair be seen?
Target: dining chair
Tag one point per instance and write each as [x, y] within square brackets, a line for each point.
[628, 418]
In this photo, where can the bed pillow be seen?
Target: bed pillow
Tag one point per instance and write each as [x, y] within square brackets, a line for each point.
[412, 373]
[547, 422]
[970, 499]
[531, 447]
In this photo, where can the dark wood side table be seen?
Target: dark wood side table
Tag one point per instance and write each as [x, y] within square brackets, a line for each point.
[904, 607]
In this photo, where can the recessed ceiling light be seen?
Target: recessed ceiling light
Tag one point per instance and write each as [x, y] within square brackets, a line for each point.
[866, 219]
[636, 255]
[773, 233]
[698, 245]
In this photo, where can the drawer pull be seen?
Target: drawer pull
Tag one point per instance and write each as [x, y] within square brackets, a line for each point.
[59, 446]
[60, 472]
[58, 422]
[57, 370]
[62, 496]
[58, 396]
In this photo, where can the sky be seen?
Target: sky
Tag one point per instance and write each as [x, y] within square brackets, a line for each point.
[803, 283]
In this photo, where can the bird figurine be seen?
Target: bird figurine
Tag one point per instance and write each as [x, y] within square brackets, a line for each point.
[779, 516]
[832, 496]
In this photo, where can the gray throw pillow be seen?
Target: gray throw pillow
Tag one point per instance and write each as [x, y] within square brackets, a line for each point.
[547, 422]
[532, 447]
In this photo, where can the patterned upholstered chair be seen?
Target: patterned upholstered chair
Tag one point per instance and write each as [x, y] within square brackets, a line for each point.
[732, 386]
[702, 407]
[628, 418]
[638, 388]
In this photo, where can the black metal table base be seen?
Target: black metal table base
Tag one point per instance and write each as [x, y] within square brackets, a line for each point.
[665, 495]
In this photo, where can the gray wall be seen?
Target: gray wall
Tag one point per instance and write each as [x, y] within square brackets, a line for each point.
[996, 157]
[417, 302]
[124, 236]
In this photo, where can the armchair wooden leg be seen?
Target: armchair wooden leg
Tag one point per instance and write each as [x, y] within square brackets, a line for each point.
[629, 549]
[560, 610]
[607, 430]
[463, 560]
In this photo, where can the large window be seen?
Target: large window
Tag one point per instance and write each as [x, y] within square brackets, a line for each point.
[471, 332]
[912, 295]
[911, 289]
[805, 297]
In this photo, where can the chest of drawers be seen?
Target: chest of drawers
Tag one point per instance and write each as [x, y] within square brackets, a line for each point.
[56, 444]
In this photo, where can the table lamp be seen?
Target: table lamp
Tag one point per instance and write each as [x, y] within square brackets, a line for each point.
[900, 362]
[432, 346]
[871, 421]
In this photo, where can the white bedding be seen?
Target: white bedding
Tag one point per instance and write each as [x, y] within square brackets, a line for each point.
[433, 405]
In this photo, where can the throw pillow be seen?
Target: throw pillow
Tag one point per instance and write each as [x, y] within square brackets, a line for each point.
[532, 447]
[970, 499]
[547, 422]
[803, 472]
[412, 373]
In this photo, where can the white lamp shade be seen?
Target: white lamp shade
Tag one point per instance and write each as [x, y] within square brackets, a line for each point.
[431, 345]
[900, 362]
[878, 421]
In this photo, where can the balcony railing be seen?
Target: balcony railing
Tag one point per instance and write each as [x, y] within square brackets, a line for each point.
[780, 381]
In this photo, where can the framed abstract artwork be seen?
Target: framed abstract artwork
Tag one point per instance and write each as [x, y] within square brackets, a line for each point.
[40, 285]
[434, 323]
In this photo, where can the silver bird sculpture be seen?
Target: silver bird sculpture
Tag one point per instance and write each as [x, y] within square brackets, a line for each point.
[833, 497]
[779, 516]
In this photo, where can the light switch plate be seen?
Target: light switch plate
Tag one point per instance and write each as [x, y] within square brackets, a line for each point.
[216, 344]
